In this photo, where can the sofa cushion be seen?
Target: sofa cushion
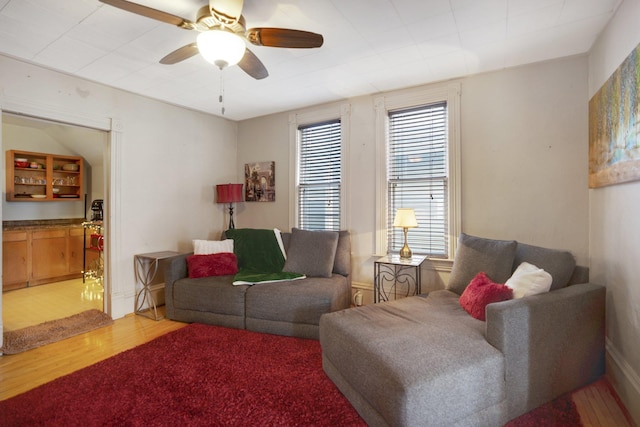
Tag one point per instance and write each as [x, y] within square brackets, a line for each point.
[529, 279]
[481, 292]
[311, 253]
[299, 301]
[220, 264]
[416, 361]
[205, 247]
[560, 264]
[342, 262]
[213, 294]
[475, 254]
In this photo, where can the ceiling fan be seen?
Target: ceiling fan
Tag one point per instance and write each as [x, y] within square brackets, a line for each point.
[223, 34]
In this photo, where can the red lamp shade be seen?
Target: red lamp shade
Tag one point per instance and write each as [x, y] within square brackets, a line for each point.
[229, 193]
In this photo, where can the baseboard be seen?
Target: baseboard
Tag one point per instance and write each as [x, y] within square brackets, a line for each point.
[121, 305]
[362, 286]
[624, 380]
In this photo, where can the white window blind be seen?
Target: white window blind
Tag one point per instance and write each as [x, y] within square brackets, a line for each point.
[417, 177]
[319, 176]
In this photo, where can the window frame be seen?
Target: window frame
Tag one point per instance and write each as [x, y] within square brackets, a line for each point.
[340, 112]
[450, 93]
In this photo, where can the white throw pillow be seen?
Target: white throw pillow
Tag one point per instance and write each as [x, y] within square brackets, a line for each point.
[529, 280]
[207, 247]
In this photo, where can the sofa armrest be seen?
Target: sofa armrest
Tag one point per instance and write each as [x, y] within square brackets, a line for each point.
[552, 343]
[175, 269]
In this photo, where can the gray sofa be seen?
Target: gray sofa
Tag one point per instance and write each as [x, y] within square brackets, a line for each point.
[290, 308]
[424, 361]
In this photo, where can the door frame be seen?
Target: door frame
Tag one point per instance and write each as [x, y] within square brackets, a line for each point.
[114, 295]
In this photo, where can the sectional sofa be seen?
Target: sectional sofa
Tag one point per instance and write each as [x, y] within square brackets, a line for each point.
[284, 307]
[426, 361]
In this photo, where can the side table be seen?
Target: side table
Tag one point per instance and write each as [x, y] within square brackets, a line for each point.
[396, 277]
[146, 268]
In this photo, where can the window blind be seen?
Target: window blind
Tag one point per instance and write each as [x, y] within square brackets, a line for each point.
[319, 176]
[417, 177]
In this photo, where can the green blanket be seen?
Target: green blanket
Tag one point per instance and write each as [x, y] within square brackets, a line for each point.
[260, 256]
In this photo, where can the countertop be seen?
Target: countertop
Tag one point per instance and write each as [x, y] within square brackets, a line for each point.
[31, 224]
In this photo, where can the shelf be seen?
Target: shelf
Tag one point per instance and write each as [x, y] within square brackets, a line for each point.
[50, 176]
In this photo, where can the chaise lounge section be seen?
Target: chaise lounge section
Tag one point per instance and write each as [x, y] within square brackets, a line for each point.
[425, 361]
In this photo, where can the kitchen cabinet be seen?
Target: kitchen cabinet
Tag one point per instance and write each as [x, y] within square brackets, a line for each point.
[50, 258]
[75, 249]
[38, 256]
[15, 257]
[43, 177]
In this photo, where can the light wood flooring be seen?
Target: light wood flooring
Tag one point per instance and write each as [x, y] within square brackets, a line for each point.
[34, 305]
[597, 404]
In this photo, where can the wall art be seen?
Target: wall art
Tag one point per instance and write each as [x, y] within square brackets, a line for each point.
[260, 182]
[614, 126]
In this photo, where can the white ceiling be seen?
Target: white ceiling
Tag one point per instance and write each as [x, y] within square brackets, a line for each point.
[370, 46]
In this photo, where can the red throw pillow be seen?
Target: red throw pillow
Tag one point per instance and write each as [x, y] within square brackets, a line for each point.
[480, 292]
[220, 264]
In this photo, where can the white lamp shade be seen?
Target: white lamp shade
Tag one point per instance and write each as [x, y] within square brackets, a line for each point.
[405, 218]
[221, 48]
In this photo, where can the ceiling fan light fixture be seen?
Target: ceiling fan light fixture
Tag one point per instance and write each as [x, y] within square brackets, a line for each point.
[221, 48]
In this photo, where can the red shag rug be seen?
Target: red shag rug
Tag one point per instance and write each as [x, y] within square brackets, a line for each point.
[198, 375]
[205, 375]
[561, 412]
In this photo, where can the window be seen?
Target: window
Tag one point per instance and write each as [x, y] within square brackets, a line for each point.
[318, 161]
[319, 176]
[417, 138]
[417, 177]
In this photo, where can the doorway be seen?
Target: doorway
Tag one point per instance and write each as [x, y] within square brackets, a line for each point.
[32, 134]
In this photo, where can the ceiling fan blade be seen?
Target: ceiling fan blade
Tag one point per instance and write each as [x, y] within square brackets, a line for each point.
[149, 12]
[226, 11]
[185, 52]
[282, 37]
[251, 65]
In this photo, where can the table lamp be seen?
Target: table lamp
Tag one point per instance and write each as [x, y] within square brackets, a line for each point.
[229, 193]
[405, 218]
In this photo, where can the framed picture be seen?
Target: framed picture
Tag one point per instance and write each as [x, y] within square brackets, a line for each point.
[614, 126]
[260, 182]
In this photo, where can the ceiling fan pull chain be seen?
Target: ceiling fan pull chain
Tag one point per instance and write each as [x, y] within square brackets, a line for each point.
[221, 97]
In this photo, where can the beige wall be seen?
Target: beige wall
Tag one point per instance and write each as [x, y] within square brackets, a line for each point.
[524, 171]
[615, 229]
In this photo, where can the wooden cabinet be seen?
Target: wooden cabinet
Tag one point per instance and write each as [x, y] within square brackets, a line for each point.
[75, 249]
[15, 257]
[39, 256]
[49, 254]
[44, 177]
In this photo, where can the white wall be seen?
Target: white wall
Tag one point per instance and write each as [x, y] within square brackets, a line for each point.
[614, 228]
[524, 162]
[171, 160]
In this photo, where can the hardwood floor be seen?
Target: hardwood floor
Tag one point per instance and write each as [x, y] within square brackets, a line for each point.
[597, 404]
[34, 305]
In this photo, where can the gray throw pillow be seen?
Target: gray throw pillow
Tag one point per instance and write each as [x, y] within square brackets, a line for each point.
[342, 263]
[476, 254]
[311, 253]
[559, 264]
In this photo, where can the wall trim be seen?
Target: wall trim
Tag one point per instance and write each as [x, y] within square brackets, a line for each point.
[114, 128]
[625, 380]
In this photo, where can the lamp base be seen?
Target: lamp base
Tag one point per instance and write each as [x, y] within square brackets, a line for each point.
[405, 252]
[231, 224]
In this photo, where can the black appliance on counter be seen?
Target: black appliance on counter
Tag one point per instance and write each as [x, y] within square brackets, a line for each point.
[96, 210]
